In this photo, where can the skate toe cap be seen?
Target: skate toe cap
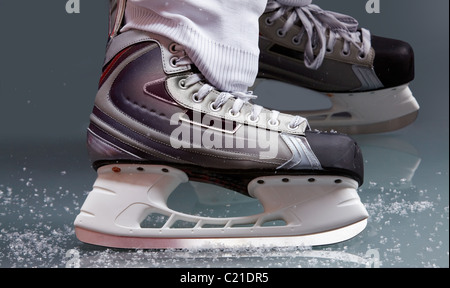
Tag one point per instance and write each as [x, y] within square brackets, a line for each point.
[337, 152]
[394, 61]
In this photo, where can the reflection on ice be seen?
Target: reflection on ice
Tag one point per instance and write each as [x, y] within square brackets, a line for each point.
[224, 258]
[388, 160]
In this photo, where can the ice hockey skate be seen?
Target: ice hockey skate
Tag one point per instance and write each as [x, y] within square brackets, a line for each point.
[157, 123]
[366, 77]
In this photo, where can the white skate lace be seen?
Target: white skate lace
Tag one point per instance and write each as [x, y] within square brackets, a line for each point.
[241, 98]
[315, 24]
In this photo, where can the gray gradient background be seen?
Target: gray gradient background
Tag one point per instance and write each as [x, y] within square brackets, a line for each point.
[50, 63]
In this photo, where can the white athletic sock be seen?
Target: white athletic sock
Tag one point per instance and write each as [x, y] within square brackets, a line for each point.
[220, 36]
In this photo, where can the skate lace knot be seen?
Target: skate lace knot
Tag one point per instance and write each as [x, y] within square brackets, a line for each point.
[315, 24]
[240, 98]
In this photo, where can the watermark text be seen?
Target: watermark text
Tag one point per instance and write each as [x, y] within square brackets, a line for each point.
[203, 131]
[73, 6]
[373, 6]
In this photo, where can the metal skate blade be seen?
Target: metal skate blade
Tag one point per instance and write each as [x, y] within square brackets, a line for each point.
[317, 239]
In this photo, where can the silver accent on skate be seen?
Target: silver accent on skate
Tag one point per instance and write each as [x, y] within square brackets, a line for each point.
[122, 41]
[100, 148]
[315, 210]
[302, 154]
[369, 80]
[117, 14]
[131, 37]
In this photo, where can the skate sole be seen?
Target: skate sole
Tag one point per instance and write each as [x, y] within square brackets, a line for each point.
[309, 211]
[126, 242]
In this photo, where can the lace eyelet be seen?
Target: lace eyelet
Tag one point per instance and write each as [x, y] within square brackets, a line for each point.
[173, 62]
[296, 40]
[172, 48]
[195, 98]
[345, 54]
[182, 84]
[362, 56]
[251, 120]
[211, 106]
[230, 112]
[290, 128]
[269, 22]
[281, 33]
[273, 124]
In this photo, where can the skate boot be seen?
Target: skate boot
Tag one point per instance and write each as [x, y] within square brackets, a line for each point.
[365, 77]
[157, 123]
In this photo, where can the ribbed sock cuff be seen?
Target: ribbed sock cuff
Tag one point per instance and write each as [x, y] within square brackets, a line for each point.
[226, 67]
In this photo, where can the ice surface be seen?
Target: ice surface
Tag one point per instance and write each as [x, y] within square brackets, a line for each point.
[36, 231]
[408, 224]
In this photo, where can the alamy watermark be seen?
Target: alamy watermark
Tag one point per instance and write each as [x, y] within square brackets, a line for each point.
[200, 130]
[73, 259]
[373, 6]
[73, 6]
